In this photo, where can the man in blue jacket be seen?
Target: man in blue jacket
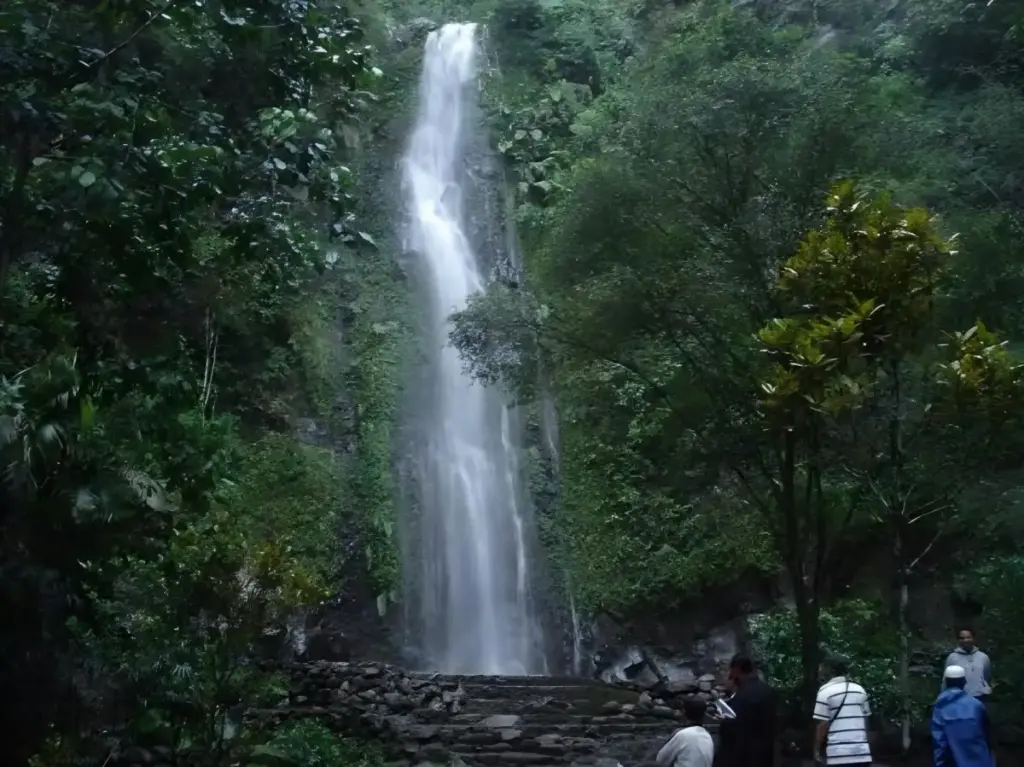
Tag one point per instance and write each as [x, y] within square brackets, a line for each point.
[960, 730]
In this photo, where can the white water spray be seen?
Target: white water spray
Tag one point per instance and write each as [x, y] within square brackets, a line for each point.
[472, 582]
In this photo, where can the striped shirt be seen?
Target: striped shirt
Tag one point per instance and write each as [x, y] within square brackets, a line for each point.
[845, 705]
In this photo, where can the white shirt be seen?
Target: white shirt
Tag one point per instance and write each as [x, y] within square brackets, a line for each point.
[688, 747]
[845, 705]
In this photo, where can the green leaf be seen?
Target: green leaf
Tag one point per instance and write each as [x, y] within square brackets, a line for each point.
[267, 754]
[87, 412]
[87, 179]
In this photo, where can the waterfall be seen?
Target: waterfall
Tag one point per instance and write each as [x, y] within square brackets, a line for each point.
[578, 654]
[469, 583]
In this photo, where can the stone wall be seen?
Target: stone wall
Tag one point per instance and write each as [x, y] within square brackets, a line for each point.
[362, 698]
[423, 719]
[481, 720]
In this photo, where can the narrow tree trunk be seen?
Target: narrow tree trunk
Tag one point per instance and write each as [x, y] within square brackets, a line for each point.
[807, 612]
[903, 625]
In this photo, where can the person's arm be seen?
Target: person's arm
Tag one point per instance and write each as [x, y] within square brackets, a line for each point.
[667, 755]
[866, 708]
[732, 733]
[940, 746]
[986, 670]
[822, 715]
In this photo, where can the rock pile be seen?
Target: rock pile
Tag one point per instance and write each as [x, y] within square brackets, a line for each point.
[423, 719]
[481, 720]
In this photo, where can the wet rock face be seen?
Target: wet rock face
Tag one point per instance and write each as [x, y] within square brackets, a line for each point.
[414, 33]
[645, 667]
[324, 644]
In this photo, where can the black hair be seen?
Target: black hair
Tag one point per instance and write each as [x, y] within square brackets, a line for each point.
[962, 629]
[742, 663]
[958, 684]
[836, 664]
[694, 708]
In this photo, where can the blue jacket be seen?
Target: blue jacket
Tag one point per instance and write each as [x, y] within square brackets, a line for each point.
[960, 731]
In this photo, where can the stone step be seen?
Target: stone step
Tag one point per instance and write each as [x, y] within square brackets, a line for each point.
[454, 731]
[515, 681]
[562, 722]
[515, 757]
[549, 706]
[529, 721]
[553, 718]
[556, 691]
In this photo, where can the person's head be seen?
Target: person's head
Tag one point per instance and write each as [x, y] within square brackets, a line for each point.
[955, 677]
[833, 666]
[694, 710]
[965, 638]
[740, 668]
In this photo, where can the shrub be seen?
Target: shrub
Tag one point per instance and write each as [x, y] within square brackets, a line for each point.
[855, 629]
[309, 744]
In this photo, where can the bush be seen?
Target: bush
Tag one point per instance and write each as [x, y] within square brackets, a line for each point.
[310, 744]
[855, 629]
[997, 584]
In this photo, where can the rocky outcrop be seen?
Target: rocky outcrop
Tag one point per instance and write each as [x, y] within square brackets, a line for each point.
[483, 720]
[646, 665]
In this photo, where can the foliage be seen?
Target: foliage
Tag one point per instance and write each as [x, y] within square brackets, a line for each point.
[290, 493]
[175, 629]
[308, 743]
[854, 629]
[649, 273]
[996, 583]
[173, 201]
[683, 217]
[379, 333]
[374, 381]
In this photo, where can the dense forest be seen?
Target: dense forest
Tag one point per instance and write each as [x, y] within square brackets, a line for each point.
[773, 266]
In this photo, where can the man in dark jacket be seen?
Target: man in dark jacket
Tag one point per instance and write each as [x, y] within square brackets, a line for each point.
[748, 740]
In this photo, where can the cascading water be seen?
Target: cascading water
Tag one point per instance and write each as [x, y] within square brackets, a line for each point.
[470, 584]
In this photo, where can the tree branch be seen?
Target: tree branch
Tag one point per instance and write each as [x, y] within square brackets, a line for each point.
[128, 40]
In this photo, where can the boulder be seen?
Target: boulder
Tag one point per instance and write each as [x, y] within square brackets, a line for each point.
[498, 721]
[324, 644]
[414, 33]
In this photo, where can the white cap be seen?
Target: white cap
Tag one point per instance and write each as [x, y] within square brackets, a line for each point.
[954, 672]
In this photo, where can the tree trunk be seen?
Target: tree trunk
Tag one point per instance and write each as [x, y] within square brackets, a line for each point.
[807, 613]
[904, 629]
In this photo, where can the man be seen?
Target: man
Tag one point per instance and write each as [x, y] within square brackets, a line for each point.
[748, 740]
[960, 731]
[975, 663]
[690, 746]
[841, 710]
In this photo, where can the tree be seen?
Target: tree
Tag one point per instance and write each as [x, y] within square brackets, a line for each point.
[645, 277]
[172, 191]
[863, 287]
[863, 384]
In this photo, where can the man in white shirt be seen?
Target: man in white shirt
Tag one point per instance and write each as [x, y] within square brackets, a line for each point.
[692, 745]
[841, 710]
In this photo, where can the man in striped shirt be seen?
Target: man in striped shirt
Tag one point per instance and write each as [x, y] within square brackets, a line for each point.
[841, 711]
